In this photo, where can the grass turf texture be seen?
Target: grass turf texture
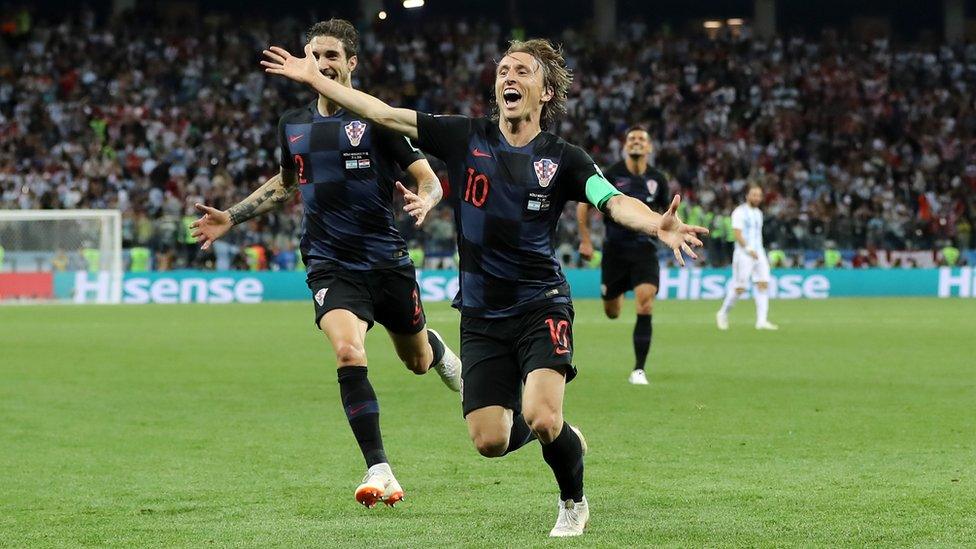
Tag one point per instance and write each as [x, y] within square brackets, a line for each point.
[193, 425]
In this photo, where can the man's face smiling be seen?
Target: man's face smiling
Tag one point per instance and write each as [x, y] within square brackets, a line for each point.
[637, 144]
[330, 55]
[519, 87]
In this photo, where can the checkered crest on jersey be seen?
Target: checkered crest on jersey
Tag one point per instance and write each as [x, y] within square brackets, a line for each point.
[355, 131]
[544, 170]
[652, 186]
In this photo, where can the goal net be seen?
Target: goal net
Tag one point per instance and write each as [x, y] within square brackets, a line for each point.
[37, 247]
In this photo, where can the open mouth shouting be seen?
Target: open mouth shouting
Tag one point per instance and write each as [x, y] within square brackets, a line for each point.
[511, 97]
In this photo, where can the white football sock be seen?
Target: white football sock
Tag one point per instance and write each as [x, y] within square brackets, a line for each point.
[730, 297]
[762, 305]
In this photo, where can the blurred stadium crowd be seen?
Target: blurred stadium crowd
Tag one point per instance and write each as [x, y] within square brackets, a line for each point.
[860, 146]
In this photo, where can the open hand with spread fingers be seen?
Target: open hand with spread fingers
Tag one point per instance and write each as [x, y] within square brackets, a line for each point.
[213, 225]
[677, 235]
[299, 69]
[415, 205]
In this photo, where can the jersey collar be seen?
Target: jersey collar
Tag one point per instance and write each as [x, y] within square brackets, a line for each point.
[503, 143]
[314, 107]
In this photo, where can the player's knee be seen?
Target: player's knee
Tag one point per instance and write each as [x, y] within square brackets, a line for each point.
[546, 425]
[612, 311]
[762, 286]
[350, 354]
[491, 444]
[645, 307]
[740, 291]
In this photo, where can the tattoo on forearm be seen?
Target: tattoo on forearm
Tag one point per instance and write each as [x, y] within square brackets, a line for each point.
[248, 207]
[431, 188]
[270, 195]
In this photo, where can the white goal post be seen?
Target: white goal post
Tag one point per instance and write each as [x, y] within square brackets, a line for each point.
[45, 242]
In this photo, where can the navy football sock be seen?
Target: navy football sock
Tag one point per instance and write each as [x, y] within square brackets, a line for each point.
[363, 412]
[642, 340]
[565, 456]
[520, 435]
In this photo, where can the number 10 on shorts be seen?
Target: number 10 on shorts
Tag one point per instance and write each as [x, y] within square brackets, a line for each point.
[559, 332]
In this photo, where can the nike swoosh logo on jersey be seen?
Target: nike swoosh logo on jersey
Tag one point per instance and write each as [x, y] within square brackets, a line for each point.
[294, 138]
[480, 154]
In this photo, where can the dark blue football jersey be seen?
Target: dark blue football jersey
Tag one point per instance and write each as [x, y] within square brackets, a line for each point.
[347, 169]
[651, 188]
[507, 201]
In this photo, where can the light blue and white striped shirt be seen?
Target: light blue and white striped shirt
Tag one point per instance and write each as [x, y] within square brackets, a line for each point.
[749, 220]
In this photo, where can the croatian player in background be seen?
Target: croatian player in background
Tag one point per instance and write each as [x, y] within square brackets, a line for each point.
[749, 262]
[629, 258]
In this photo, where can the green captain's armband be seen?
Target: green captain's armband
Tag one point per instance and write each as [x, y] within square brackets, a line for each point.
[599, 190]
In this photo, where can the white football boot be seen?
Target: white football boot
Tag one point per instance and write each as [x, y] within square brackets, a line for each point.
[572, 520]
[582, 440]
[722, 320]
[379, 484]
[449, 368]
[573, 517]
[766, 326]
[638, 377]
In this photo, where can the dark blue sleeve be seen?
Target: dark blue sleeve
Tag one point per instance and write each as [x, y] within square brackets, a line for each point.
[577, 170]
[400, 148]
[444, 136]
[285, 159]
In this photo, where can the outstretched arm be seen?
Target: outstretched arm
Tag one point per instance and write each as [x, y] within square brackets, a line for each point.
[305, 70]
[636, 216]
[215, 223]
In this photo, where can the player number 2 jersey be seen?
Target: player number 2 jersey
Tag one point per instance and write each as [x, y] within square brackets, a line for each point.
[749, 220]
[507, 201]
[346, 169]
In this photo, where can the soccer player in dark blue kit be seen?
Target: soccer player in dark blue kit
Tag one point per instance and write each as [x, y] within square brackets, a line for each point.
[510, 181]
[357, 263]
[630, 259]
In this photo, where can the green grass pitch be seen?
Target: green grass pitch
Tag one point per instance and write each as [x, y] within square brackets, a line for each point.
[134, 426]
